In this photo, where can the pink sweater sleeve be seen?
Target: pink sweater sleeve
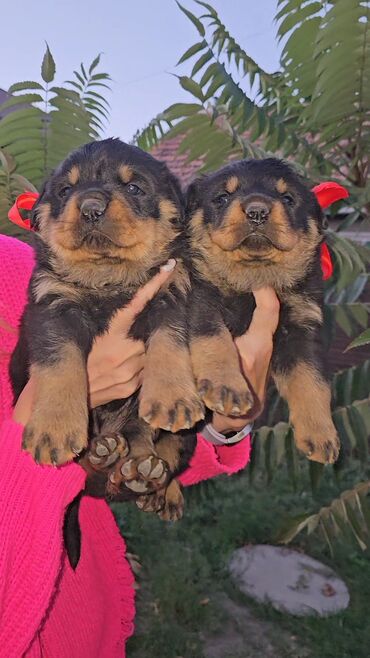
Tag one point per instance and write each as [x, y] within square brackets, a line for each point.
[210, 460]
[33, 500]
[40, 595]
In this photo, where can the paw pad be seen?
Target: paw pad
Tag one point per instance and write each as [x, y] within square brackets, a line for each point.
[106, 450]
[140, 475]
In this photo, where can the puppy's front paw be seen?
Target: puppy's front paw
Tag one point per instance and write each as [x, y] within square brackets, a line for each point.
[227, 396]
[53, 438]
[140, 475]
[168, 503]
[318, 441]
[104, 451]
[153, 502]
[170, 412]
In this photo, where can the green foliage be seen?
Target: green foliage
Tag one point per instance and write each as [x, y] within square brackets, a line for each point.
[11, 184]
[315, 109]
[45, 123]
[363, 339]
[347, 517]
[351, 385]
[273, 446]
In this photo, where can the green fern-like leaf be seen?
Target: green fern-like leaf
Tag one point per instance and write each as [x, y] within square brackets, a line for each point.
[44, 124]
[363, 339]
[346, 517]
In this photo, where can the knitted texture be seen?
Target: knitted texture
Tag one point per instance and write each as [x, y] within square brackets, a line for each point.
[209, 460]
[47, 610]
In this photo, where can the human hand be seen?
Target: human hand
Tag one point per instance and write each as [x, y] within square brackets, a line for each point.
[115, 363]
[23, 406]
[255, 351]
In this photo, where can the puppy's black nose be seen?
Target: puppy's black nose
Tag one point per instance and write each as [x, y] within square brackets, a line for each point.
[257, 212]
[92, 208]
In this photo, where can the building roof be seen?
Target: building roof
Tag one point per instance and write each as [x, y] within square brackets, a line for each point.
[3, 97]
[167, 151]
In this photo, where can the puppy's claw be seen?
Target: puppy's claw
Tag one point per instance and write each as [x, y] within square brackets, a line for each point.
[181, 413]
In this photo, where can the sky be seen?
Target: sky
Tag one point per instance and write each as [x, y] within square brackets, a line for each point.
[141, 42]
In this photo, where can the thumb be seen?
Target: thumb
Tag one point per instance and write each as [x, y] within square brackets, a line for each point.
[126, 316]
[266, 313]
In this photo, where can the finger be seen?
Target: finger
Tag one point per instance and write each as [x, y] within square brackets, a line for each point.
[116, 392]
[266, 313]
[150, 289]
[123, 391]
[121, 374]
[255, 360]
[266, 298]
[125, 317]
[128, 369]
[23, 407]
[108, 354]
[255, 349]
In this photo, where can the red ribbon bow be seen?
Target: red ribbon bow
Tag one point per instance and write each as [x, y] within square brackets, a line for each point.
[19, 212]
[326, 194]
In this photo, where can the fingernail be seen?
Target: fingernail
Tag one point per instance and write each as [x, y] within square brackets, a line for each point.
[169, 266]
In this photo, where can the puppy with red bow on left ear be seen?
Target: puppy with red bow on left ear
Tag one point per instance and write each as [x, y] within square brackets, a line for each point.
[107, 220]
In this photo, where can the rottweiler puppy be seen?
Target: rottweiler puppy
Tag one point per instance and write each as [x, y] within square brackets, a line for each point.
[255, 223]
[108, 217]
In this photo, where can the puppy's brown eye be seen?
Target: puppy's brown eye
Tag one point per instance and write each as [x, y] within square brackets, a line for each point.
[64, 191]
[133, 189]
[288, 199]
[222, 199]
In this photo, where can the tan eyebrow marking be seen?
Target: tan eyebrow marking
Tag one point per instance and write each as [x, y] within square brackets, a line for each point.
[281, 186]
[232, 184]
[74, 175]
[168, 209]
[125, 173]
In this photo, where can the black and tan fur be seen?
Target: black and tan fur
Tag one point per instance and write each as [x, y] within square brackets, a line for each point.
[255, 223]
[106, 220]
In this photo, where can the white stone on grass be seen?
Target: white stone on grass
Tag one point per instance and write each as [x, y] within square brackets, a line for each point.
[290, 581]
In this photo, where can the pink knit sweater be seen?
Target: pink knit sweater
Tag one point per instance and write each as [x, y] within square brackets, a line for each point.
[46, 608]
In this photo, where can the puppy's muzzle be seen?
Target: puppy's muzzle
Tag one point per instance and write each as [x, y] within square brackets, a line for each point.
[92, 207]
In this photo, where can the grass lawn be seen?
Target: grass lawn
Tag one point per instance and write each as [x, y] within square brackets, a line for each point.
[187, 604]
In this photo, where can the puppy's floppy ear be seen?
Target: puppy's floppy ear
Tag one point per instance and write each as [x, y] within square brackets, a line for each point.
[322, 219]
[318, 213]
[177, 196]
[35, 218]
[193, 195]
[312, 205]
